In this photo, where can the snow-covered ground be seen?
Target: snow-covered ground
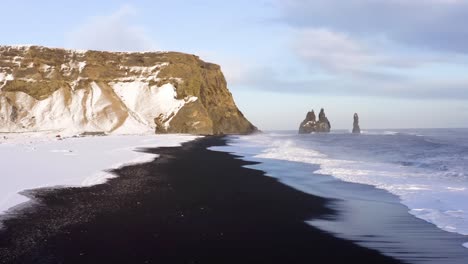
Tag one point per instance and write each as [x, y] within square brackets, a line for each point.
[29, 161]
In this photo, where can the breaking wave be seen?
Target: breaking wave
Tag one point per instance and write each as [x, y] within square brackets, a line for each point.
[426, 169]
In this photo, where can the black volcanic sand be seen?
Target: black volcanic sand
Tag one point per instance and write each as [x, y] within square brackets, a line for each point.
[190, 205]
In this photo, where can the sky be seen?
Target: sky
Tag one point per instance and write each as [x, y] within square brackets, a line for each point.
[397, 63]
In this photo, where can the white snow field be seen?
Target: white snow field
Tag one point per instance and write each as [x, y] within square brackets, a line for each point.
[34, 161]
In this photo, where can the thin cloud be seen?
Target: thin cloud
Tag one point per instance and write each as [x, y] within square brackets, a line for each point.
[339, 52]
[268, 79]
[433, 24]
[112, 32]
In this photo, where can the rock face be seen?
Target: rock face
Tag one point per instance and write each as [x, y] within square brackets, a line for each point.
[356, 128]
[310, 124]
[114, 92]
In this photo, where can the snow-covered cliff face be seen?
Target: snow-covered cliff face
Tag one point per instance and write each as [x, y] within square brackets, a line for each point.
[72, 92]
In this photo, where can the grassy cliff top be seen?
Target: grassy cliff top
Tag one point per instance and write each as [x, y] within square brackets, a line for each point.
[40, 71]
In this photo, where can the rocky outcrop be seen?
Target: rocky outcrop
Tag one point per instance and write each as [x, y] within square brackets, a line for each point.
[323, 123]
[310, 124]
[356, 128]
[114, 92]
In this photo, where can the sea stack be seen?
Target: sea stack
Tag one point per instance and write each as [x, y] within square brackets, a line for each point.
[310, 124]
[356, 128]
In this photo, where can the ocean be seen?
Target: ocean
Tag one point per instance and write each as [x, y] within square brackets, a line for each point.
[389, 176]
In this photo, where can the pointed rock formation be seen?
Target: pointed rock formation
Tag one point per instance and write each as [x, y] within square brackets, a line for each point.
[356, 128]
[323, 124]
[310, 124]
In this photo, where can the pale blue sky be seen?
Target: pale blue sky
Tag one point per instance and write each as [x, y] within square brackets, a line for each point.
[399, 64]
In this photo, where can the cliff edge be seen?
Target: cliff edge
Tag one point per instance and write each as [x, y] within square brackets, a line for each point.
[68, 91]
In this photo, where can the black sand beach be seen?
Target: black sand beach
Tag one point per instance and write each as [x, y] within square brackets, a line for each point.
[190, 205]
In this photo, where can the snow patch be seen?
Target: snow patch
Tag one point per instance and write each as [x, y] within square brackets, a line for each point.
[17, 60]
[4, 77]
[81, 66]
[147, 102]
[144, 70]
[141, 73]
[68, 67]
[27, 79]
[85, 110]
[50, 164]
[75, 83]
[45, 67]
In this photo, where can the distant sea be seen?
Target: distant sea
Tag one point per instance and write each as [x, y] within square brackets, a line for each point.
[421, 173]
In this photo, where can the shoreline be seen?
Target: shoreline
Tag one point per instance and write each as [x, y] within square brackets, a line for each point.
[369, 216]
[428, 177]
[190, 205]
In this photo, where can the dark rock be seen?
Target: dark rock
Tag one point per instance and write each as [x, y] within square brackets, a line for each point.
[310, 124]
[323, 123]
[14, 113]
[356, 128]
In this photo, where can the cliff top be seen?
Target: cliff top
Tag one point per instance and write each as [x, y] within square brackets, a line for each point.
[174, 91]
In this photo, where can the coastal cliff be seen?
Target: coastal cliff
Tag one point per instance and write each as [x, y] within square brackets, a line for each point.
[68, 91]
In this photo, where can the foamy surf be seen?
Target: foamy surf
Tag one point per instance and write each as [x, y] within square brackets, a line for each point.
[427, 173]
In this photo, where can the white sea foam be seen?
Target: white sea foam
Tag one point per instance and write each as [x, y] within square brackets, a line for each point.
[437, 195]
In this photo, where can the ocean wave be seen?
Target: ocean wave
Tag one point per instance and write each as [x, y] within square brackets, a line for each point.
[430, 178]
